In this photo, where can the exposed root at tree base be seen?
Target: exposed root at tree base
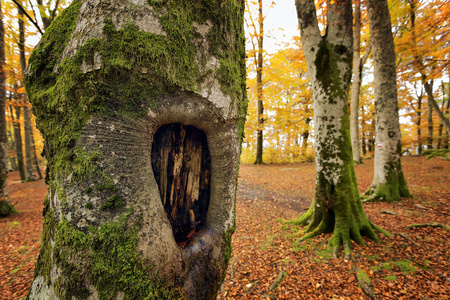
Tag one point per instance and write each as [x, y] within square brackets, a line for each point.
[344, 230]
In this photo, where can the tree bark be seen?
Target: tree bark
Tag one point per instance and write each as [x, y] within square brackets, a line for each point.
[26, 113]
[429, 90]
[388, 183]
[336, 206]
[418, 123]
[129, 97]
[18, 141]
[435, 107]
[259, 87]
[5, 205]
[356, 84]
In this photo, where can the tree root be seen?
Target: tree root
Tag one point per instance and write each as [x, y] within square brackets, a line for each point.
[364, 285]
[433, 225]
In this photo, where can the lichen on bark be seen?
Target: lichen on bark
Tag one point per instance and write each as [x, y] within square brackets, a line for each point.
[388, 183]
[102, 80]
[336, 206]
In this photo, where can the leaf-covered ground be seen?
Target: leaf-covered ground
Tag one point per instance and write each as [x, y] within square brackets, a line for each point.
[266, 261]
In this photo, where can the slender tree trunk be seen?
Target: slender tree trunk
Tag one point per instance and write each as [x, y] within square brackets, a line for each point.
[363, 134]
[18, 141]
[430, 97]
[356, 84]
[259, 87]
[336, 206]
[446, 111]
[441, 126]
[419, 124]
[388, 183]
[5, 205]
[26, 113]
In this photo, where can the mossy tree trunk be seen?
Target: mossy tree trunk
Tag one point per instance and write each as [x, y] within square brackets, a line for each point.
[336, 206]
[5, 205]
[388, 183]
[142, 107]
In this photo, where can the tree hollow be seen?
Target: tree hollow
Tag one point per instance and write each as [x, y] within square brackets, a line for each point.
[182, 168]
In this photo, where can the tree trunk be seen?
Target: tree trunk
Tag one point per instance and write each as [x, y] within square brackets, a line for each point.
[26, 113]
[363, 135]
[388, 183]
[18, 142]
[336, 206]
[356, 84]
[430, 97]
[418, 123]
[142, 107]
[259, 87]
[5, 205]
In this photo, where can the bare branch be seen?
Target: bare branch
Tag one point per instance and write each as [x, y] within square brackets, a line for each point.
[19, 6]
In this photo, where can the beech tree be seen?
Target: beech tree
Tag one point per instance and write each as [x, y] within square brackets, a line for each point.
[142, 106]
[5, 205]
[388, 182]
[358, 63]
[336, 206]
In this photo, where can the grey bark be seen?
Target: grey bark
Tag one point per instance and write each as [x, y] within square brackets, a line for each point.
[388, 182]
[329, 61]
[127, 180]
[356, 84]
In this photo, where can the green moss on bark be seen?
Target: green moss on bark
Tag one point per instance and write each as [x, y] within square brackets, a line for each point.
[136, 69]
[111, 263]
[5, 209]
[336, 206]
[64, 97]
[394, 187]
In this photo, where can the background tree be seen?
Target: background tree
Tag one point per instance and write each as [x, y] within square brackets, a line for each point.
[388, 183]
[358, 63]
[257, 53]
[5, 205]
[336, 206]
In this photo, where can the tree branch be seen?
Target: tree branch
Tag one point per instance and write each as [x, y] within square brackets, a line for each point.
[53, 13]
[19, 6]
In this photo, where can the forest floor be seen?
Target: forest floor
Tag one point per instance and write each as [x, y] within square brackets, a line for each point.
[267, 263]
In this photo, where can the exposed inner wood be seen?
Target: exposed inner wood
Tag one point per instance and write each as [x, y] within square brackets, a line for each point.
[182, 168]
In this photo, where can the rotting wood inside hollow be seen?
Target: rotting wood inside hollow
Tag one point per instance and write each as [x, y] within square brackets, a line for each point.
[182, 168]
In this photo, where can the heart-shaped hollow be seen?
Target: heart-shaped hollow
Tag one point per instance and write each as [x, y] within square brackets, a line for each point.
[182, 168]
